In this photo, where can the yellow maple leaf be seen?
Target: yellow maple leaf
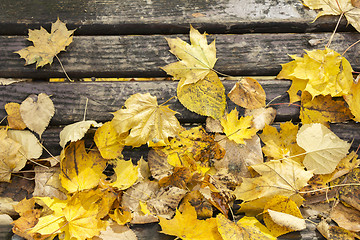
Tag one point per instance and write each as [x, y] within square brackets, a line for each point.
[353, 100]
[46, 45]
[196, 60]
[247, 228]
[126, 174]
[80, 169]
[147, 121]
[78, 216]
[324, 150]
[12, 159]
[320, 72]
[336, 7]
[238, 129]
[248, 93]
[279, 145]
[185, 225]
[205, 97]
[282, 204]
[284, 177]
[323, 109]
[108, 141]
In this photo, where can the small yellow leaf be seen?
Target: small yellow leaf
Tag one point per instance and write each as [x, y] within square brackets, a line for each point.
[196, 60]
[121, 217]
[126, 174]
[205, 97]
[80, 169]
[108, 141]
[14, 118]
[353, 100]
[144, 208]
[238, 129]
[46, 45]
[248, 93]
[147, 121]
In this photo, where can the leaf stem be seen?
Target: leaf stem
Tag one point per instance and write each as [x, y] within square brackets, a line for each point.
[339, 185]
[167, 100]
[333, 34]
[350, 47]
[3, 119]
[223, 74]
[86, 104]
[67, 76]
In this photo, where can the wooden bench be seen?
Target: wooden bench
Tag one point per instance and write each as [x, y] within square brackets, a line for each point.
[125, 39]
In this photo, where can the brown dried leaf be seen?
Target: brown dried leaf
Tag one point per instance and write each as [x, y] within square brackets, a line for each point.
[14, 118]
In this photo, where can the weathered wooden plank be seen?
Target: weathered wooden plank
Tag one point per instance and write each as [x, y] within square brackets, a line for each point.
[107, 17]
[141, 56]
[106, 97]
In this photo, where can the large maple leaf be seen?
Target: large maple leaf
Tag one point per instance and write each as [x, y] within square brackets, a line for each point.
[320, 72]
[148, 122]
[336, 7]
[196, 60]
[46, 45]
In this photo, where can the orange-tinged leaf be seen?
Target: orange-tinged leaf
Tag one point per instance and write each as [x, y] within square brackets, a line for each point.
[179, 178]
[238, 129]
[14, 118]
[282, 144]
[247, 228]
[283, 177]
[126, 174]
[248, 93]
[185, 225]
[334, 232]
[196, 60]
[147, 121]
[205, 97]
[337, 7]
[80, 170]
[324, 150]
[108, 141]
[323, 109]
[353, 100]
[277, 222]
[198, 201]
[46, 45]
[320, 72]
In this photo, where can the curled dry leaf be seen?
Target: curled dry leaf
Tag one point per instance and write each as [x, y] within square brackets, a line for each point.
[76, 131]
[37, 111]
[334, 232]
[147, 121]
[248, 93]
[205, 97]
[324, 150]
[14, 118]
[46, 45]
[346, 217]
[196, 60]
[287, 220]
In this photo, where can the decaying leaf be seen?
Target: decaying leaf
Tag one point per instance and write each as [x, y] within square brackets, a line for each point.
[323, 109]
[337, 7]
[283, 177]
[334, 232]
[351, 194]
[324, 149]
[202, 206]
[282, 215]
[247, 228]
[80, 169]
[47, 183]
[76, 131]
[196, 60]
[346, 217]
[37, 111]
[11, 158]
[147, 121]
[108, 141]
[320, 72]
[14, 118]
[248, 93]
[46, 45]
[282, 144]
[185, 225]
[238, 129]
[205, 97]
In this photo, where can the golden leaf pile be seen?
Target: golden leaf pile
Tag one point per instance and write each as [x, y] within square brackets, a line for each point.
[191, 177]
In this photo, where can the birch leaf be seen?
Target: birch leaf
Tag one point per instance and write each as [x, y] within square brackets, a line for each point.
[324, 149]
[37, 111]
[30, 146]
[196, 60]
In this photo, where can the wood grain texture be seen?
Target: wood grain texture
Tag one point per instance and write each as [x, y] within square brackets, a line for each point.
[142, 56]
[111, 17]
[106, 97]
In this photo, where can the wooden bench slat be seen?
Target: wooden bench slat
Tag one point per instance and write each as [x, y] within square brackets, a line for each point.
[142, 56]
[106, 97]
[105, 17]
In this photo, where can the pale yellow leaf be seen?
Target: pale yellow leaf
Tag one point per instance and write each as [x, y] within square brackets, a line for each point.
[76, 131]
